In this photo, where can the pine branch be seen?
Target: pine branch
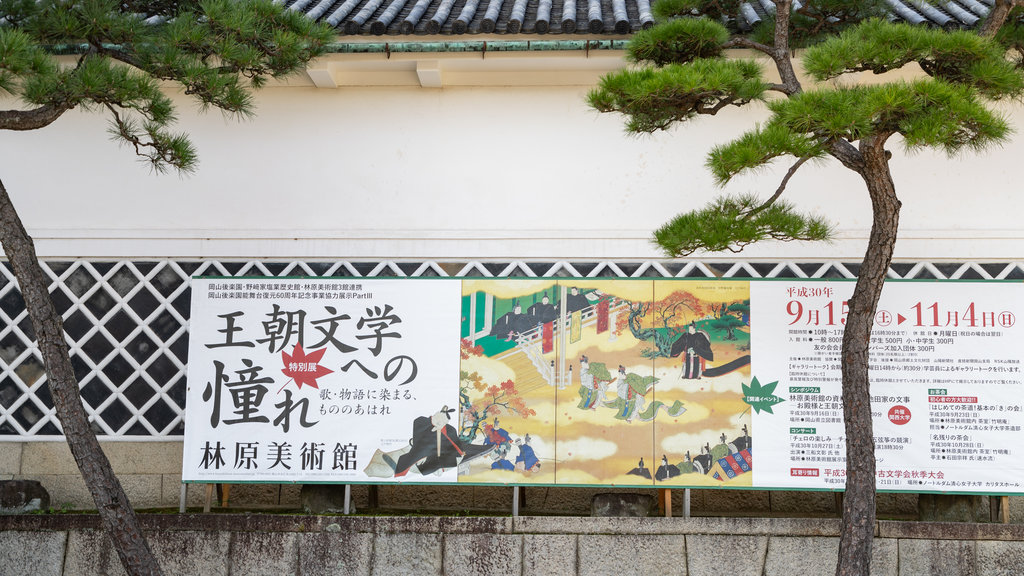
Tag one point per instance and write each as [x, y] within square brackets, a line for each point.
[761, 146]
[32, 119]
[678, 42]
[778, 192]
[744, 42]
[160, 149]
[877, 46]
[926, 112]
[732, 223]
[846, 153]
[791, 85]
[653, 99]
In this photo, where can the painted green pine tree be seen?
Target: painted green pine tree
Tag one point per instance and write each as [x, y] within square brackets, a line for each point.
[111, 57]
[683, 72]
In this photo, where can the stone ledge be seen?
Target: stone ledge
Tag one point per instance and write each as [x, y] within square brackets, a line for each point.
[950, 531]
[248, 522]
[695, 525]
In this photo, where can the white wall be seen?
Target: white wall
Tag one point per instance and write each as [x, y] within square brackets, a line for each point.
[459, 172]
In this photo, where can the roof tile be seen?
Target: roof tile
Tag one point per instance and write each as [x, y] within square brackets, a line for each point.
[579, 17]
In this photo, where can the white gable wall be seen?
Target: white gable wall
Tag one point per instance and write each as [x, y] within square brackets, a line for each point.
[472, 170]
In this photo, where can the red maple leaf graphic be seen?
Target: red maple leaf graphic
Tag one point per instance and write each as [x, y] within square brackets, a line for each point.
[304, 368]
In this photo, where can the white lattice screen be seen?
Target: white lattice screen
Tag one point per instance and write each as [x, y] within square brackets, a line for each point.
[127, 323]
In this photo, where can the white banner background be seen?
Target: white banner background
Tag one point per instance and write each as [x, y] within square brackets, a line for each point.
[353, 411]
[961, 341]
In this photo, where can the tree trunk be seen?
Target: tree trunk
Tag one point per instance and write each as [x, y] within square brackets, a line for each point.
[116, 512]
[997, 17]
[859, 502]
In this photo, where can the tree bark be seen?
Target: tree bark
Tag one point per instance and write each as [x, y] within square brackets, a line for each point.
[116, 513]
[780, 50]
[31, 119]
[997, 17]
[859, 502]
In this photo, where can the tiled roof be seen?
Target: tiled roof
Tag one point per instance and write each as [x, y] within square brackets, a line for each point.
[566, 17]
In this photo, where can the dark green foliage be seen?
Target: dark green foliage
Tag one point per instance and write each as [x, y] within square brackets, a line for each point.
[759, 147]
[713, 9]
[654, 98]
[878, 46]
[217, 50]
[926, 112]
[820, 19]
[687, 75]
[730, 223]
[21, 60]
[164, 8]
[678, 41]
[815, 20]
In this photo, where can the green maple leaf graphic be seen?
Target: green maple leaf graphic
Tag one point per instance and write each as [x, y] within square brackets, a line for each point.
[761, 397]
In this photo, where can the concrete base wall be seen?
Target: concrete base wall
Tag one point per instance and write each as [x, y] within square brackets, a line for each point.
[277, 544]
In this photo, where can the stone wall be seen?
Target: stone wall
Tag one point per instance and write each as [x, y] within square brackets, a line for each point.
[244, 544]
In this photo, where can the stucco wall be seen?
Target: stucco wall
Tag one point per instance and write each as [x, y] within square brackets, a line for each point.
[513, 168]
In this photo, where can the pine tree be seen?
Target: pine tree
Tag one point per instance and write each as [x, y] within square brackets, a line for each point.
[111, 57]
[682, 72]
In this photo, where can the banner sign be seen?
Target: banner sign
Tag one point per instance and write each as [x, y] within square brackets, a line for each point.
[597, 382]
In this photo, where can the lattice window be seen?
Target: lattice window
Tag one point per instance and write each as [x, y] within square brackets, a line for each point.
[127, 323]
